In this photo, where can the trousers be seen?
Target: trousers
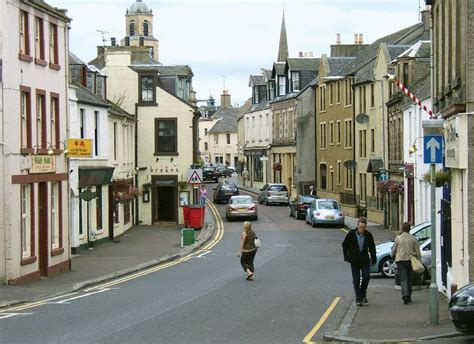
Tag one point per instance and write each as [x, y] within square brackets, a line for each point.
[360, 280]
[246, 260]
[405, 272]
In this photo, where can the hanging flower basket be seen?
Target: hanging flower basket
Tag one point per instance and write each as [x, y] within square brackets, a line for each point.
[391, 187]
[127, 196]
[277, 166]
[121, 185]
[146, 186]
[182, 184]
[441, 178]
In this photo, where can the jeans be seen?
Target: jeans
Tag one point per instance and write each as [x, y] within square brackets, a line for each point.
[246, 260]
[405, 272]
[360, 280]
[203, 201]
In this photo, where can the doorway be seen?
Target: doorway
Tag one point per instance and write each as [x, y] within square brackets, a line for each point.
[164, 199]
[43, 228]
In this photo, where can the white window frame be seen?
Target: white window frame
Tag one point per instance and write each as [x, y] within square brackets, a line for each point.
[54, 218]
[26, 220]
[281, 85]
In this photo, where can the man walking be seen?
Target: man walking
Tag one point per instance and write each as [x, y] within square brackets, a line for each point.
[356, 247]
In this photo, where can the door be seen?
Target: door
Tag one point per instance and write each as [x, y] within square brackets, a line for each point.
[111, 213]
[164, 199]
[446, 257]
[43, 228]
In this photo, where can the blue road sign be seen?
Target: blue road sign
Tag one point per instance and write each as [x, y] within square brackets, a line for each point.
[433, 149]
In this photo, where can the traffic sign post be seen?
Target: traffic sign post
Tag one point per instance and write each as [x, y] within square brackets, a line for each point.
[433, 154]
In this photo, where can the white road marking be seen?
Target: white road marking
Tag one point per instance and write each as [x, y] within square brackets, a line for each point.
[203, 254]
[66, 301]
[10, 315]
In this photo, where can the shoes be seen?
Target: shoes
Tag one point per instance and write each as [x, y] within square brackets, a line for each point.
[406, 300]
[409, 298]
[359, 303]
[364, 300]
[250, 277]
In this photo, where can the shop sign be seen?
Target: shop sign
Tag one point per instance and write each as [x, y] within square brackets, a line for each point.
[43, 164]
[455, 137]
[79, 148]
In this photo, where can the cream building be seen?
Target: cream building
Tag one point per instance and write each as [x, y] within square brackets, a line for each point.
[33, 107]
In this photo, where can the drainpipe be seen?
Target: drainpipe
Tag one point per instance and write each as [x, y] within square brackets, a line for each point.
[137, 207]
[353, 145]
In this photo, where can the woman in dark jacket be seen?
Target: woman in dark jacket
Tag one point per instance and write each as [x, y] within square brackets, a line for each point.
[356, 247]
[247, 250]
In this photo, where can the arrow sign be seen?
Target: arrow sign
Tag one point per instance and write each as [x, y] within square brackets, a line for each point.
[433, 149]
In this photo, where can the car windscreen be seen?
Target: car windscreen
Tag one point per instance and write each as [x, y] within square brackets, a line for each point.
[278, 188]
[329, 205]
[205, 169]
[228, 187]
[245, 200]
[307, 199]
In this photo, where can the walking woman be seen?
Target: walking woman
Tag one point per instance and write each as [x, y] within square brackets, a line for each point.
[247, 250]
[405, 246]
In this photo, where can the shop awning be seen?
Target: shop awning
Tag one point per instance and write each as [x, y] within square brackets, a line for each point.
[95, 175]
[375, 165]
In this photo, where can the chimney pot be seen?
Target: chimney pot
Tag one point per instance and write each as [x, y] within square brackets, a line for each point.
[112, 41]
[361, 38]
[300, 54]
[338, 38]
[356, 38]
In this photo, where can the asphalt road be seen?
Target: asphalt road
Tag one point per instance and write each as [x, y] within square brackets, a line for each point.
[300, 273]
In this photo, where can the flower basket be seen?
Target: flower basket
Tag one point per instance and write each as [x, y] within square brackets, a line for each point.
[126, 196]
[391, 187]
[182, 184]
[441, 177]
[146, 186]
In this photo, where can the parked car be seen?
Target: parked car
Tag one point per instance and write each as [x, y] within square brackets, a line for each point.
[232, 169]
[385, 264]
[241, 207]
[223, 171]
[209, 173]
[325, 211]
[224, 191]
[461, 306]
[299, 205]
[272, 193]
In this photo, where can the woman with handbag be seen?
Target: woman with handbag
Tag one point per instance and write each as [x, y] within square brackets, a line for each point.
[406, 248]
[247, 250]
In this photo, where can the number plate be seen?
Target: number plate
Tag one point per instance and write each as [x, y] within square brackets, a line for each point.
[330, 217]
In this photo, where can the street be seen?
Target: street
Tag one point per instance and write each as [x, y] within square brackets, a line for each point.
[206, 298]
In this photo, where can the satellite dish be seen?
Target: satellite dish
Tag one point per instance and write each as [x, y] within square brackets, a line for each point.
[362, 118]
[350, 164]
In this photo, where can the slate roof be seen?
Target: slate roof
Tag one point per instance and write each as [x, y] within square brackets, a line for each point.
[118, 111]
[264, 104]
[55, 10]
[420, 49]
[74, 60]
[268, 74]
[181, 70]
[98, 61]
[396, 50]
[256, 80]
[303, 63]
[339, 66]
[278, 69]
[227, 122]
[87, 97]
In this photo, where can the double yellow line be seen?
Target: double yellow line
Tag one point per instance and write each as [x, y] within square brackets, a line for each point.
[208, 246]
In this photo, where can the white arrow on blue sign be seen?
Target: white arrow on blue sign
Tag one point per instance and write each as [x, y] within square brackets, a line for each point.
[433, 149]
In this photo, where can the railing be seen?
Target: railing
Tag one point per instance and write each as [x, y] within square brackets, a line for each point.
[347, 198]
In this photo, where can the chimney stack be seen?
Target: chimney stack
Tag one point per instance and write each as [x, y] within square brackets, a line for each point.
[300, 54]
[225, 99]
[338, 38]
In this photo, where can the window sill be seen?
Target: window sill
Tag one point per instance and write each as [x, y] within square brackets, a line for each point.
[166, 154]
[42, 151]
[27, 150]
[141, 103]
[41, 62]
[29, 260]
[24, 57]
[54, 66]
[57, 251]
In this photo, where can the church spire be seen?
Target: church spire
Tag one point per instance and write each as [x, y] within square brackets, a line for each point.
[283, 48]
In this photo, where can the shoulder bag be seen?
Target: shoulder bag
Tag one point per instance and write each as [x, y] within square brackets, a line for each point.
[257, 242]
[416, 265]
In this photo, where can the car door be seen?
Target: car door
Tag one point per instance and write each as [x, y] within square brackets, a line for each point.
[263, 192]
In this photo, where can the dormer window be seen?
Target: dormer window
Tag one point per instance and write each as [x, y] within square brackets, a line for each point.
[271, 90]
[295, 81]
[132, 28]
[281, 85]
[147, 89]
[255, 95]
[145, 28]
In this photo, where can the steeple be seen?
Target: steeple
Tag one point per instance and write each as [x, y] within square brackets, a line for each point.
[283, 48]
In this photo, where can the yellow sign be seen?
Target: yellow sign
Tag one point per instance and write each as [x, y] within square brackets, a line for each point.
[79, 148]
[43, 164]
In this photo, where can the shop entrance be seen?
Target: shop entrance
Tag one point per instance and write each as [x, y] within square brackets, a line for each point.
[164, 199]
[43, 228]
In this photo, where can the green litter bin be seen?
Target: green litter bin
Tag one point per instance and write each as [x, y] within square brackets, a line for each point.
[187, 236]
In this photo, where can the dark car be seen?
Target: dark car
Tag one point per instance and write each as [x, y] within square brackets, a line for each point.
[461, 306]
[223, 171]
[209, 173]
[299, 205]
[224, 191]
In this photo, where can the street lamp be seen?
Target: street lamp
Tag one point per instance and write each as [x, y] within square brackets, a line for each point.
[413, 149]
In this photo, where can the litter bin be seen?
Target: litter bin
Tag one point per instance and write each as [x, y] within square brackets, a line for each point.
[186, 215]
[196, 216]
[187, 236]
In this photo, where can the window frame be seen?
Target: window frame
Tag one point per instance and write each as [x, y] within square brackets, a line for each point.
[175, 127]
[295, 81]
[228, 139]
[54, 119]
[24, 51]
[53, 47]
[27, 200]
[140, 90]
[39, 41]
[281, 85]
[26, 115]
[41, 128]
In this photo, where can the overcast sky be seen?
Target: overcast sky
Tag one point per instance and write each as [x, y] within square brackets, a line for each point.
[237, 38]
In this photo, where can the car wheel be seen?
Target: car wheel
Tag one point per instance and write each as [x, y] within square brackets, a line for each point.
[387, 267]
[313, 223]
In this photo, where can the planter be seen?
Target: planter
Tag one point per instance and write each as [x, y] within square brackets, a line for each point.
[441, 178]
[182, 185]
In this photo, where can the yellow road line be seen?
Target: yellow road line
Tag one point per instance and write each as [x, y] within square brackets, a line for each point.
[206, 247]
[321, 321]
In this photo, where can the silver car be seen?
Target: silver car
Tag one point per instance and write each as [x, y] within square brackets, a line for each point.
[325, 211]
[241, 206]
[272, 193]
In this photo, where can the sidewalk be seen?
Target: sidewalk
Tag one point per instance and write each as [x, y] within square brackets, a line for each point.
[385, 318]
[139, 248]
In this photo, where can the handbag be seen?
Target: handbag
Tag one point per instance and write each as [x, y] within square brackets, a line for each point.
[257, 242]
[416, 265]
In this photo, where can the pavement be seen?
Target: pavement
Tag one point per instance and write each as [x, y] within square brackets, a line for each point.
[385, 319]
[139, 248]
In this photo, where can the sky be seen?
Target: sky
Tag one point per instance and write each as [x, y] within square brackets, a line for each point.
[225, 41]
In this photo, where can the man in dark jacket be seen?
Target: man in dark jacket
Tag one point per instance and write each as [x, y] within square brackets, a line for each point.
[357, 245]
